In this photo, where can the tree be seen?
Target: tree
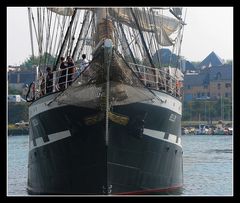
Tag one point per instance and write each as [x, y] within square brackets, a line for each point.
[228, 62]
[209, 110]
[28, 63]
[195, 63]
[17, 112]
[13, 91]
[45, 59]
[186, 114]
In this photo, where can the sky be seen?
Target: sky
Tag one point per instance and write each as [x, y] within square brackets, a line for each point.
[208, 29]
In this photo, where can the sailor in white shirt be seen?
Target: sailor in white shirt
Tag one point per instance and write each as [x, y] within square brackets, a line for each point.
[83, 63]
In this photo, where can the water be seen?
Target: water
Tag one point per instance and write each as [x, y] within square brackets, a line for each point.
[207, 162]
[17, 165]
[207, 165]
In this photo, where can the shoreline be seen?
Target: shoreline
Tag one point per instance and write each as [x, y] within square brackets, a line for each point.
[12, 130]
[196, 123]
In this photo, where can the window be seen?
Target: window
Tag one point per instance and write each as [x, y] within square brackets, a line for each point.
[219, 86]
[189, 87]
[226, 94]
[227, 85]
[218, 76]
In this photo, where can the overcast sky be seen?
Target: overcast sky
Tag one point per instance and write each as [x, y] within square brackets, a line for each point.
[208, 29]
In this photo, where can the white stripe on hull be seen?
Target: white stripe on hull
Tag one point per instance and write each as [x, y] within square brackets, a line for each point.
[160, 135]
[39, 141]
[52, 138]
[166, 101]
[61, 135]
[58, 136]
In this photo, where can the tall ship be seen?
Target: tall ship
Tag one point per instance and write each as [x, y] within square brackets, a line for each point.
[106, 105]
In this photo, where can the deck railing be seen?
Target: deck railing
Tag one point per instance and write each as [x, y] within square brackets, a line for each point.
[157, 79]
[60, 80]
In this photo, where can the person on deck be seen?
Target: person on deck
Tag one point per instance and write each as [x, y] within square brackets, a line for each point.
[49, 80]
[42, 84]
[83, 63]
[71, 70]
[62, 79]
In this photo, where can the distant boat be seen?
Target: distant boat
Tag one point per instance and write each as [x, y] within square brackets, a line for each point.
[202, 130]
[116, 129]
[230, 131]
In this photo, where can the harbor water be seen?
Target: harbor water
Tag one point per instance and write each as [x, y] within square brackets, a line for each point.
[207, 162]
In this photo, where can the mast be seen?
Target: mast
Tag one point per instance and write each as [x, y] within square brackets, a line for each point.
[142, 38]
[30, 26]
[104, 25]
[80, 36]
[145, 46]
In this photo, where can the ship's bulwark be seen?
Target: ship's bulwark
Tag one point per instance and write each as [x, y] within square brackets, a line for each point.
[68, 155]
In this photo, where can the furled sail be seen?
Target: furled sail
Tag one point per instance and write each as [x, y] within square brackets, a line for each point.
[62, 11]
[162, 25]
[177, 11]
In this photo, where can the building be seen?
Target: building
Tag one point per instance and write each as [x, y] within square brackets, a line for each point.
[19, 79]
[221, 82]
[211, 60]
[212, 81]
[166, 57]
[15, 98]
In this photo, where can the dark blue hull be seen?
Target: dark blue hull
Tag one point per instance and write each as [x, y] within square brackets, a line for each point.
[71, 156]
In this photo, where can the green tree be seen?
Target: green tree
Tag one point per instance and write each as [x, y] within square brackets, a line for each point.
[45, 59]
[228, 62]
[195, 63]
[28, 63]
[17, 112]
[208, 110]
[13, 91]
[186, 112]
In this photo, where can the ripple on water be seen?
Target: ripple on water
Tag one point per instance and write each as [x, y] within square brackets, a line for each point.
[207, 165]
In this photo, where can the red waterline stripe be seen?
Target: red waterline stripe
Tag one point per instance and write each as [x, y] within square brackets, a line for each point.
[149, 190]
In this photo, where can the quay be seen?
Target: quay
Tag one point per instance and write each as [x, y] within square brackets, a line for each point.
[17, 130]
[204, 128]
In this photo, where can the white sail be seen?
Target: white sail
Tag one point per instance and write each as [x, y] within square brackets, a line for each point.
[62, 11]
[162, 25]
[166, 26]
